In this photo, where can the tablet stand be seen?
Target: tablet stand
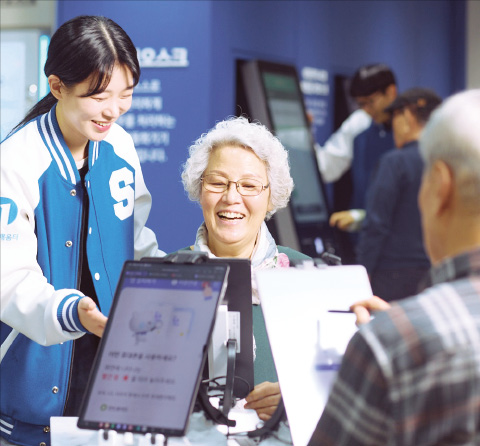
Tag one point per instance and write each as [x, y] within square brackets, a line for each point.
[228, 393]
[211, 412]
[203, 400]
[272, 424]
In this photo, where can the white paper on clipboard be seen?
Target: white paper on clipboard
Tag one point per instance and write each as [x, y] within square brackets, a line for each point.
[296, 304]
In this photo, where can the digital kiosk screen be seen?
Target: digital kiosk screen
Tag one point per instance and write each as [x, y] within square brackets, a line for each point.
[290, 126]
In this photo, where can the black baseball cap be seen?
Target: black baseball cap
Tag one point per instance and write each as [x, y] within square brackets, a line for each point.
[423, 100]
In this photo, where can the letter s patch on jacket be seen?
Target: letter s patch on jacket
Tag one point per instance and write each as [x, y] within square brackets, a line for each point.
[122, 192]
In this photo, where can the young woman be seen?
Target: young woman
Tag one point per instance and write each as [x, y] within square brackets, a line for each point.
[73, 209]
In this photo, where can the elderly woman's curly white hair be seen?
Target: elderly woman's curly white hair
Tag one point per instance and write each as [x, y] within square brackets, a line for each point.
[239, 132]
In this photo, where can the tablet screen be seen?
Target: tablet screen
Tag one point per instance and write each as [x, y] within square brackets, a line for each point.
[147, 370]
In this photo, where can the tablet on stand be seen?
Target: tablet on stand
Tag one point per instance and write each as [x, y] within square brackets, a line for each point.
[150, 360]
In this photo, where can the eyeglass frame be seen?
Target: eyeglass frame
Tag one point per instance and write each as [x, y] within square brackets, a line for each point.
[227, 186]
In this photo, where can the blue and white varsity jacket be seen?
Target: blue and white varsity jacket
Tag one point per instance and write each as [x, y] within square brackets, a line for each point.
[41, 239]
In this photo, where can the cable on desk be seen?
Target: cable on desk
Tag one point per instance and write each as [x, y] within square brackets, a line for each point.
[222, 386]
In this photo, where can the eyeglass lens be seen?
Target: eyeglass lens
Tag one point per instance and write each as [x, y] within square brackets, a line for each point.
[245, 186]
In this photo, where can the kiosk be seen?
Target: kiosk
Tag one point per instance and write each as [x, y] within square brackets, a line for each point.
[270, 93]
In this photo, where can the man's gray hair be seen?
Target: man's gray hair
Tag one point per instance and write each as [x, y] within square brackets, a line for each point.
[452, 135]
[239, 132]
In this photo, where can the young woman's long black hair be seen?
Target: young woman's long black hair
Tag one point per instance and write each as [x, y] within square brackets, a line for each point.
[82, 47]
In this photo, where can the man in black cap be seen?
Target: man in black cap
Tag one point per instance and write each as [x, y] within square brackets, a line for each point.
[391, 243]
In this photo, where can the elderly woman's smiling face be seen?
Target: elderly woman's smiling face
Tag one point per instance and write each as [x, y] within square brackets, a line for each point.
[233, 220]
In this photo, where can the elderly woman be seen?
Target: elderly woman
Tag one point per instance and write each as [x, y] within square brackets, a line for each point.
[239, 174]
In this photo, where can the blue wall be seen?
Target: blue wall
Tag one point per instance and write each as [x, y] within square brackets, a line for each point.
[424, 42]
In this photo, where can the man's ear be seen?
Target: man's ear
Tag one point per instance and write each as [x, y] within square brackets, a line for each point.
[444, 183]
[56, 86]
[391, 91]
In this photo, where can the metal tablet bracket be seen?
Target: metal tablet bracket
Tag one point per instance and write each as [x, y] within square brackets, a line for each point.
[211, 412]
[228, 393]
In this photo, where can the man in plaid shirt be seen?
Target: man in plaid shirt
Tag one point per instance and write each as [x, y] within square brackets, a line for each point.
[411, 376]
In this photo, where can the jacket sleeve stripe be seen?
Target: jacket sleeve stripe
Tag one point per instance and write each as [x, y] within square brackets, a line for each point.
[72, 315]
[68, 314]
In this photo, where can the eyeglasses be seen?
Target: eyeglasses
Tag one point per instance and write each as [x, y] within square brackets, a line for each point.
[247, 187]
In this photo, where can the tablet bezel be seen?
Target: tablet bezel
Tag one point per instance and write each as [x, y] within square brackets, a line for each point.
[168, 432]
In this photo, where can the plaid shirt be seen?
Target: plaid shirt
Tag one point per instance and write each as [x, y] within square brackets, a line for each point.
[412, 375]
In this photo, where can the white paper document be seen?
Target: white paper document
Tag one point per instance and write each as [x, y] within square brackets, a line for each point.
[307, 339]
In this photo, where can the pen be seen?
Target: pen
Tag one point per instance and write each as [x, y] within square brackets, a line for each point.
[340, 311]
